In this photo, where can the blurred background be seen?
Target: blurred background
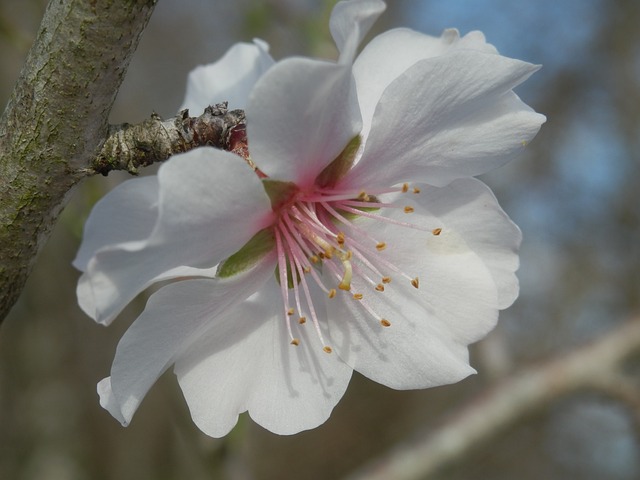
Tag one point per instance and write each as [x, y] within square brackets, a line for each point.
[575, 194]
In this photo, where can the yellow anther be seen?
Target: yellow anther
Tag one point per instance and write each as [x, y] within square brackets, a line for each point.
[408, 209]
[416, 190]
[415, 282]
[405, 187]
[386, 279]
[436, 231]
[328, 253]
[306, 269]
[327, 349]
[295, 342]
[332, 293]
[290, 311]
[357, 296]
[380, 287]
[385, 323]
[340, 238]
[363, 196]
[314, 259]
[302, 320]
[381, 246]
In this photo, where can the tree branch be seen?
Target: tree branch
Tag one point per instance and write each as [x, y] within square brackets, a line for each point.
[57, 120]
[589, 367]
[129, 147]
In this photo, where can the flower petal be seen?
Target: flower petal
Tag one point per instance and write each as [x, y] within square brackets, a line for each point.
[350, 21]
[448, 117]
[391, 53]
[175, 317]
[247, 363]
[466, 274]
[202, 193]
[300, 116]
[128, 212]
[229, 79]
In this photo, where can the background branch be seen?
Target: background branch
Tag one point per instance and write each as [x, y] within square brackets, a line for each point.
[56, 121]
[589, 367]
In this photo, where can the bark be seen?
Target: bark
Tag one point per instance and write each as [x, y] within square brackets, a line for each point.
[55, 122]
[130, 147]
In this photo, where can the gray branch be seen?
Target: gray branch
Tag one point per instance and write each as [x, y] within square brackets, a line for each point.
[597, 366]
[129, 147]
[55, 122]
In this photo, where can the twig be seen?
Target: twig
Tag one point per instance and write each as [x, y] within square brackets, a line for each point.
[129, 147]
[501, 406]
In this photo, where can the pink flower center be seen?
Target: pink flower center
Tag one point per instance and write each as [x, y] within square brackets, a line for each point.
[316, 231]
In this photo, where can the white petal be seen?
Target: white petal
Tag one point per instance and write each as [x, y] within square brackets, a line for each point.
[128, 212]
[210, 204]
[301, 114]
[175, 317]
[108, 401]
[350, 21]
[448, 117]
[466, 274]
[247, 363]
[469, 208]
[391, 53]
[229, 79]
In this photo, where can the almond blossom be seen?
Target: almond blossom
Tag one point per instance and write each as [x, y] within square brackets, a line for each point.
[364, 243]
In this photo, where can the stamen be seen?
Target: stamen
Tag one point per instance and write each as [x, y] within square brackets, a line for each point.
[357, 296]
[295, 342]
[380, 287]
[302, 320]
[381, 246]
[332, 293]
[385, 323]
[408, 209]
[327, 349]
[405, 187]
[436, 231]
[290, 312]
[386, 279]
[416, 190]
[415, 282]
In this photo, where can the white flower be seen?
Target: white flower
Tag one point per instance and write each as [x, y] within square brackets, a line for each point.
[368, 247]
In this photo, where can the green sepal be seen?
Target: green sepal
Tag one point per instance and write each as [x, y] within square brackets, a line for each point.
[279, 192]
[251, 253]
[339, 167]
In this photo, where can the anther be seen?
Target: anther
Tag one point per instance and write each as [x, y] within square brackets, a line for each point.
[302, 320]
[405, 187]
[408, 209]
[385, 323]
[436, 231]
[295, 342]
[327, 349]
[416, 190]
[290, 311]
[357, 296]
[381, 246]
[415, 282]
[306, 269]
[332, 293]
[386, 279]
[363, 196]
[314, 259]
[380, 287]
[340, 238]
